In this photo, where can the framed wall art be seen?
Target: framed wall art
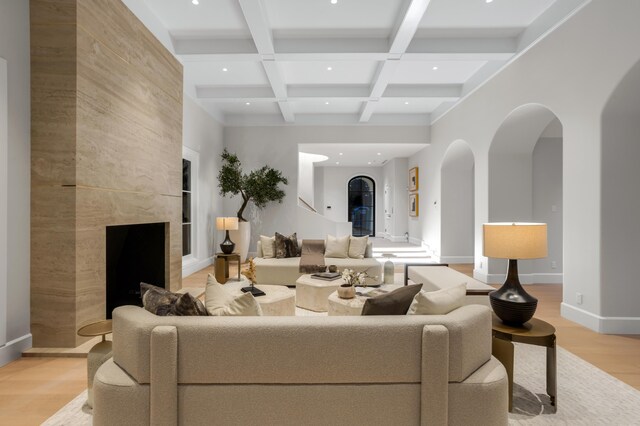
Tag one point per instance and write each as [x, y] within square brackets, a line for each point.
[414, 205]
[413, 179]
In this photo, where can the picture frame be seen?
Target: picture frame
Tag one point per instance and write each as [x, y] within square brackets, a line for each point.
[414, 205]
[413, 179]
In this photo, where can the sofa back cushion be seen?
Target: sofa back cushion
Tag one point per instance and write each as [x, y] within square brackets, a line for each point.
[302, 349]
[358, 247]
[337, 247]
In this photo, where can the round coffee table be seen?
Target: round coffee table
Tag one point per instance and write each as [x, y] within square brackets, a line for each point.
[534, 332]
[98, 354]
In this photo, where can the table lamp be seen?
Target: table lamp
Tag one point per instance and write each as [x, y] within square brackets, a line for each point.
[513, 241]
[227, 224]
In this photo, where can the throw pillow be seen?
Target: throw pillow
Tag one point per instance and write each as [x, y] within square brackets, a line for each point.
[396, 302]
[358, 246]
[187, 305]
[221, 302]
[286, 246]
[154, 298]
[337, 247]
[268, 246]
[438, 302]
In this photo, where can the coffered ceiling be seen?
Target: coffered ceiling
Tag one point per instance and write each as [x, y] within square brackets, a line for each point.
[262, 62]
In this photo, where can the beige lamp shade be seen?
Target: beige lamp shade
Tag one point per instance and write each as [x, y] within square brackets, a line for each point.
[226, 223]
[513, 240]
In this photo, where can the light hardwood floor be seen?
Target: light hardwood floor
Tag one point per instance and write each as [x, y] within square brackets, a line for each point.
[33, 389]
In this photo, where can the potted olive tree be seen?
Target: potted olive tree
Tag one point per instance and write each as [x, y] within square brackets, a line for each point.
[259, 186]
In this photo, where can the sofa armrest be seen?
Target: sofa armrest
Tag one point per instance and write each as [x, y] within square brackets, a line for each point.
[434, 381]
[163, 389]
[408, 265]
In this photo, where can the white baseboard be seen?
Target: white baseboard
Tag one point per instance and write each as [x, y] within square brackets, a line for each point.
[195, 266]
[13, 350]
[534, 278]
[606, 325]
[456, 259]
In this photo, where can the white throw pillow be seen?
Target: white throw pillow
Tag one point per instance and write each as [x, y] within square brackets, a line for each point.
[220, 302]
[438, 302]
[337, 247]
[358, 247]
[268, 246]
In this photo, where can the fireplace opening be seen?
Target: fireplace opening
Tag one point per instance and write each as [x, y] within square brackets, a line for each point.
[135, 253]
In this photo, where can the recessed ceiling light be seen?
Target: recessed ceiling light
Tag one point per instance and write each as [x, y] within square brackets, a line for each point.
[329, 68]
[369, 162]
[326, 103]
[196, 2]
[247, 103]
[406, 103]
[435, 68]
[224, 69]
[340, 154]
[379, 153]
[337, 162]
[488, 1]
[334, 1]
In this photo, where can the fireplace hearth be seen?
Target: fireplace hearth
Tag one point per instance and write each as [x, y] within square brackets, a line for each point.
[135, 253]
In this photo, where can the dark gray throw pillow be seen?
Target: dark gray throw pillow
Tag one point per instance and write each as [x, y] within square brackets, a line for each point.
[162, 302]
[396, 302]
[154, 297]
[286, 246]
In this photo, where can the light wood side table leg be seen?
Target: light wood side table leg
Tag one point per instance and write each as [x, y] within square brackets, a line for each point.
[503, 351]
[551, 373]
[219, 270]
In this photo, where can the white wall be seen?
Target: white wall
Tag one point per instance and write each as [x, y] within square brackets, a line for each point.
[621, 202]
[306, 179]
[277, 146]
[395, 177]
[547, 205]
[336, 180]
[202, 134]
[457, 234]
[602, 40]
[15, 180]
[318, 189]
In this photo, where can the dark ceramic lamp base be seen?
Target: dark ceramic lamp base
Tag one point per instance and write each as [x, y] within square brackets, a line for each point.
[227, 246]
[511, 303]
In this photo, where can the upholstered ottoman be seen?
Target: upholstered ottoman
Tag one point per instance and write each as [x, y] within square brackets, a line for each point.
[278, 300]
[312, 294]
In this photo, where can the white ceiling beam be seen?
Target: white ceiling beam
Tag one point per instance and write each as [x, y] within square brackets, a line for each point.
[239, 92]
[408, 25]
[287, 112]
[334, 91]
[256, 17]
[404, 31]
[213, 46]
[451, 46]
[423, 91]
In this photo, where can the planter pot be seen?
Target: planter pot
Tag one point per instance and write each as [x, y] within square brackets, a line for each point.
[242, 238]
[346, 291]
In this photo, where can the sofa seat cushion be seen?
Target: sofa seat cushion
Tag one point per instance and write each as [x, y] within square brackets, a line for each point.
[277, 271]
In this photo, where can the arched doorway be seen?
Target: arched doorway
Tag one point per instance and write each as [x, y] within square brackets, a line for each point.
[457, 204]
[525, 185]
[362, 206]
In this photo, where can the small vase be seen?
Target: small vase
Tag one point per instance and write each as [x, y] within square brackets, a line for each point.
[346, 291]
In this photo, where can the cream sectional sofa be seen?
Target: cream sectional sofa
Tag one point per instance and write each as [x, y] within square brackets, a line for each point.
[438, 276]
[287, 271]
[414, 370]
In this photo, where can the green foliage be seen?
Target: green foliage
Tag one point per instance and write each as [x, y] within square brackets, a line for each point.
[259, 186]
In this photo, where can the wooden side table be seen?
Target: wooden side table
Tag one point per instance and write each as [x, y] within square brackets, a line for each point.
[222, 266]
[534, 332]
[98, 354]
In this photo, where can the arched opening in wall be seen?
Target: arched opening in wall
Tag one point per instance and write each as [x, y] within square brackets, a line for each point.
[525, 185]
[620, 192]
[362, 206]
[457, 204]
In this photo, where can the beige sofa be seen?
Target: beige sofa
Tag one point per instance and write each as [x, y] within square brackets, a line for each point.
[414, 370]
[438, 276]
[287, 271]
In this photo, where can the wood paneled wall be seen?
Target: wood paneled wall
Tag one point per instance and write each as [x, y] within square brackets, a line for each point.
[106, 149]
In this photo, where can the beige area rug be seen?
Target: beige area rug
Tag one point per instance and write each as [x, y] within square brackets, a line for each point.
[586, 395]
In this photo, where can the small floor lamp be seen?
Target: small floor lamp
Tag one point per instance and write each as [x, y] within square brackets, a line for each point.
[513, 241]
[227, 224]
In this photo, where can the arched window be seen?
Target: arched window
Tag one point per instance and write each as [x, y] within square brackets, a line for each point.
[362, 206]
